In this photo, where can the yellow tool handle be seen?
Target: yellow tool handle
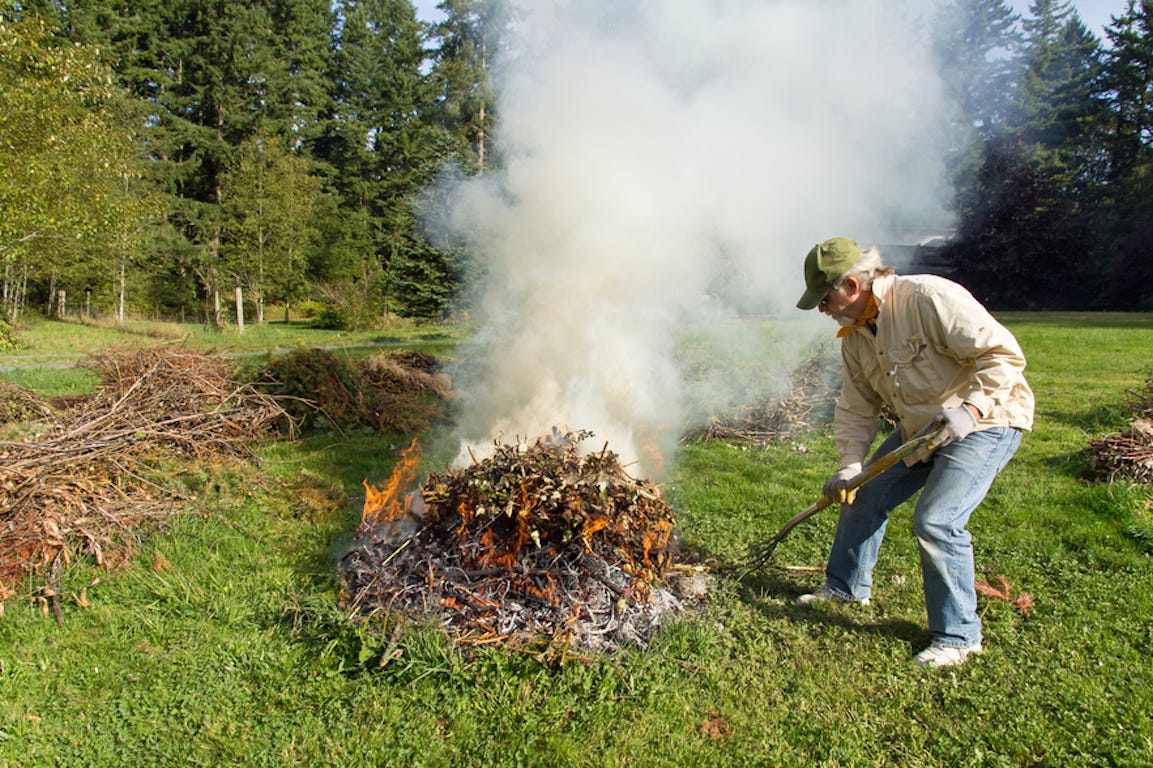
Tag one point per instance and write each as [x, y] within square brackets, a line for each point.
[929, 437]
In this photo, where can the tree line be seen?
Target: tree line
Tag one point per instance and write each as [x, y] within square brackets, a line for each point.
[1053, 171]
[159, 154]
[166, 156]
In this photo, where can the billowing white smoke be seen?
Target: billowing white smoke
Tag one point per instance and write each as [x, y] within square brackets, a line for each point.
[658, 152]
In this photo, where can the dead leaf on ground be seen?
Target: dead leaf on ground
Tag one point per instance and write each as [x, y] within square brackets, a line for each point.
[1004, 591]
[715, 727]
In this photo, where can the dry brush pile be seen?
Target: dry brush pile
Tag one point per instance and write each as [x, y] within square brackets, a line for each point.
[399, 391]
[88, 474]
[81, 474]
[1128, 454]
[539, 543]
[813, 387]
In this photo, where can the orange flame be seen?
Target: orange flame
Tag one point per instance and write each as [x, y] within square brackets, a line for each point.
[391, 503]
[591, 526]
[652, 457]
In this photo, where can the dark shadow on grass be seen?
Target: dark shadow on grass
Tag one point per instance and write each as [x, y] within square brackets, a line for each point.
[1072, 464]
[1080, 320]
[853, 618]
[408, 339]
[1102, 418]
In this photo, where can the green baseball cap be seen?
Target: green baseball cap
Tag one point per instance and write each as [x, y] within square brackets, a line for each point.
[825, 265]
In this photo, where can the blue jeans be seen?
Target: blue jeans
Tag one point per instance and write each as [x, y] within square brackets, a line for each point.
[955, 480]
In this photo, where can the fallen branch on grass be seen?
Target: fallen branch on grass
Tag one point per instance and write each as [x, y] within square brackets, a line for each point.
[1127, 455]
[1004, 591]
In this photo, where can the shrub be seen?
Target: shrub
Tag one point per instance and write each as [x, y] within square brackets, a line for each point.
[331, 318]
[310, 308]
[8, 340]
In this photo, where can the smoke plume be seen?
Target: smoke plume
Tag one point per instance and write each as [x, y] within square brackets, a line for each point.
[666, 166]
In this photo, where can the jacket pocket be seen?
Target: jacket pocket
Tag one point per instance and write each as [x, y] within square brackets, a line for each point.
[915, 378]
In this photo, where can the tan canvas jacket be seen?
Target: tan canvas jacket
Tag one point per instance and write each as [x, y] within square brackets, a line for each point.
[936, 347]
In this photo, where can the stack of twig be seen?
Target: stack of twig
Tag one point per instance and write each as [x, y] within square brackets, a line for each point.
[18, 404]
[811, 391]
[99, 468]
[396, 391]
[1128, 454]
[537, 542]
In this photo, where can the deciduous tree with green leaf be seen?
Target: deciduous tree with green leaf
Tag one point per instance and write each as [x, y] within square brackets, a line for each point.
[67, 169]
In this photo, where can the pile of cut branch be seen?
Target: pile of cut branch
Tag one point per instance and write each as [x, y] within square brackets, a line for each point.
[812, 390]
[1128, 454]
[538, 542]
[96, 470]
[396, 391]
[18, 404]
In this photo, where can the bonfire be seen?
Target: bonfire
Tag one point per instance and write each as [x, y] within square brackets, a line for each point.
[539, 543]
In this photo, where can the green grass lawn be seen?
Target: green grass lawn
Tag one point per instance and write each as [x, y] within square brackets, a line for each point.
[221, 643]
[53, 352]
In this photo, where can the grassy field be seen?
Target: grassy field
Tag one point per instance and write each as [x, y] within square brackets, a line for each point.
[49, 360]
[221, 643]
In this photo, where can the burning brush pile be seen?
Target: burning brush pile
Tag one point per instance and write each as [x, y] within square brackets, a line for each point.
[537, 543]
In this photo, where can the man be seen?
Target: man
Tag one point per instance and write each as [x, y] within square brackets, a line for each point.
[924, 347]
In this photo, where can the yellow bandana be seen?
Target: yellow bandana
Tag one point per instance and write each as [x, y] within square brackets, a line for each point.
[868, 317]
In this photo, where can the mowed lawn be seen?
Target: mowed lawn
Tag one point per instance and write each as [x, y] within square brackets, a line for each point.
[220, 641]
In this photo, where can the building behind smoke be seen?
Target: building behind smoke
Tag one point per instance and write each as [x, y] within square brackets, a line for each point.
[734, 293]
[923, 257]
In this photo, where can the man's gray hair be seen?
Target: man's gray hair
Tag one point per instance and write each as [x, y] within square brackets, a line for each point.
[867, 269]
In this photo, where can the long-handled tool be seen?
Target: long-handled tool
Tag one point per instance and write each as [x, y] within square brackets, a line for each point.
[929, 437]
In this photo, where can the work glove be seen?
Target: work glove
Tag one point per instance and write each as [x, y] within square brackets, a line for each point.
[957, 423]
[837, 488]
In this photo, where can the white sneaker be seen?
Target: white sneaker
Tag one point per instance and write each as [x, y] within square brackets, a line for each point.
[937, 655]
[825, 594]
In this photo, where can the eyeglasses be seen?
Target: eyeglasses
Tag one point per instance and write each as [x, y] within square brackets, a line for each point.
[824, 303]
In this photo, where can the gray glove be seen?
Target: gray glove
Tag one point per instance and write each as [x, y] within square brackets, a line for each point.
[959, 422]
[837, 488]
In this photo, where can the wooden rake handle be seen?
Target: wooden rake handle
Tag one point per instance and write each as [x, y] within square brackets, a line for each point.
[929, 437]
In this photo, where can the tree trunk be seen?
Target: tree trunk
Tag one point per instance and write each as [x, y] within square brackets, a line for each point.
[21, 293]
[481, 127]
[240, 310]
[120, 304]
[480, 142]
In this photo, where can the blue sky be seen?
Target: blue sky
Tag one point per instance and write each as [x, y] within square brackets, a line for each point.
[426, 9]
